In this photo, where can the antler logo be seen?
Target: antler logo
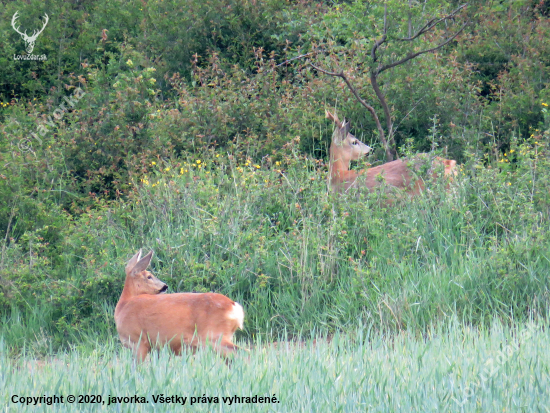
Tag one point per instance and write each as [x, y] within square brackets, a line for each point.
[29, 40]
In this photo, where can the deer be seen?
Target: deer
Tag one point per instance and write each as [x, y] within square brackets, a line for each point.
[29, 40]
[345, 148]
[147, 319]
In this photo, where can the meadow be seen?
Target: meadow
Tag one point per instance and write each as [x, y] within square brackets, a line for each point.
[200, 134]
[454, 368]
[297, 256]
[437, 303]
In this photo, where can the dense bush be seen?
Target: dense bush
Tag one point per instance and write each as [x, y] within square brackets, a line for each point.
[168, 33]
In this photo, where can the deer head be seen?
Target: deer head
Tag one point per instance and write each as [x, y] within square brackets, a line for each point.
[29, 40]
[141, 280]
[345, 147]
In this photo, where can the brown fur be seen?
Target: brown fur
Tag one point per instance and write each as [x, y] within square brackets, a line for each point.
[145, 319]
[396, 173]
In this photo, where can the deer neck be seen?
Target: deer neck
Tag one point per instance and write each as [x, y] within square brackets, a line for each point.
[339, 167]
[127, 292]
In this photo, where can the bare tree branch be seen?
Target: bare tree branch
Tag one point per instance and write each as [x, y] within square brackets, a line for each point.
[410, 19]
[390, 151]
[430, 25]
[413, 55]
[387, 140]
[365, 104]
[375, 47]
[295, 58]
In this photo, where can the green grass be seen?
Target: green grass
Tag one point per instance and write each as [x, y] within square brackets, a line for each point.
[453, 368]
[385, 284]
[299, 259]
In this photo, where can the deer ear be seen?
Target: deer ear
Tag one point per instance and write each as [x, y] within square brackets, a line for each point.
[336, 136]
[143, 263]
[332, 117]
[130, 265]
[345, 128]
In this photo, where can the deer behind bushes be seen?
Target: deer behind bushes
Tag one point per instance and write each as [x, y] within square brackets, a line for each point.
[346, 148]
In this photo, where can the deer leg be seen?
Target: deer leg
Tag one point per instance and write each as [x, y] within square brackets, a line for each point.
[227, 348]
[142, 350]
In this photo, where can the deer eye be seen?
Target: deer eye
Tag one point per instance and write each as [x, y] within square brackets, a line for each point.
[149, 277]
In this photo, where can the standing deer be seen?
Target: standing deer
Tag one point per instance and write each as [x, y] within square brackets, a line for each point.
[346, 148]
[147, 319]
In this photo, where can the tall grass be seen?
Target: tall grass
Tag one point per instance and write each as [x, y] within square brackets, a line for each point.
[299, 258]
[455, 368]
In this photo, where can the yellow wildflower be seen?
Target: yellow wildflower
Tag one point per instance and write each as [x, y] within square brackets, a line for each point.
[257, 166]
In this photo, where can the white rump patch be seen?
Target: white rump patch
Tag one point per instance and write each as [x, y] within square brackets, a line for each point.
[237, 314]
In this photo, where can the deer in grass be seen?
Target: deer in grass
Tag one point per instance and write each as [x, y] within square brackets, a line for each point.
[145, 318]
[346, 148]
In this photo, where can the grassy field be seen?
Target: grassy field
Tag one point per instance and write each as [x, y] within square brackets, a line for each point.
[453, 368]
[200, 134]
[386, 285]
[298, 258]
[426, 304]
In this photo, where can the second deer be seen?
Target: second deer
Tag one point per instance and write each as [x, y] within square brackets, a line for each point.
[346, 148]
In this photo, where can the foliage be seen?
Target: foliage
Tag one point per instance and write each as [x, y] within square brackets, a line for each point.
[508, 49]
[119, 169]
[361, 40]
[296, 256]
[75, 37]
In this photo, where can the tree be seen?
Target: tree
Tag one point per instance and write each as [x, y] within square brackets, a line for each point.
[386, 45]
